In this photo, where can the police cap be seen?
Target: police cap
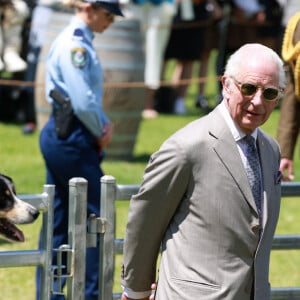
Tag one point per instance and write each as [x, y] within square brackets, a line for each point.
[113, 6]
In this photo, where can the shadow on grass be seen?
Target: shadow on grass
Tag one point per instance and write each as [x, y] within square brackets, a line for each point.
[3, 241]
[141, 158]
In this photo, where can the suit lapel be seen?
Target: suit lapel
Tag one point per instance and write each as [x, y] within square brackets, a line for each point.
[226, 149]
[267, 176]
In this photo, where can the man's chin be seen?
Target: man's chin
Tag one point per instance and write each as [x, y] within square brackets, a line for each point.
[249, 127]
[253, 121]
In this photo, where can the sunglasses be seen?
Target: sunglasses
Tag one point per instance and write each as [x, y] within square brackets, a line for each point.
[249, 89]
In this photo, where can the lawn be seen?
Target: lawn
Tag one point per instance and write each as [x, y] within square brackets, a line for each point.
[21, 159]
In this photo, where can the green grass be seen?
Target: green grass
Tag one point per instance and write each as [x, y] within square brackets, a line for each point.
[21, 159]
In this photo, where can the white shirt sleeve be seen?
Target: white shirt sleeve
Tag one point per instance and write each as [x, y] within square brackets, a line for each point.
[135, 295]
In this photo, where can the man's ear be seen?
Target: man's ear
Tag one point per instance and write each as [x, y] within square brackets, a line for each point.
[87, 7]
[225, 84]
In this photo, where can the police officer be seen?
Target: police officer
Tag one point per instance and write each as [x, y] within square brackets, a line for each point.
[75, 73]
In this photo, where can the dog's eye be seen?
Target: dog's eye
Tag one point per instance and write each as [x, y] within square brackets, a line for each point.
[6, 200]
[3, 202]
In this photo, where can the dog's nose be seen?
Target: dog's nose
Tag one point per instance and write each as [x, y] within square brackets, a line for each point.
[35, 213]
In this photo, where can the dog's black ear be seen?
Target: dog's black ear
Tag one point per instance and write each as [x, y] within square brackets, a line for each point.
[7, 177]
[10, 182]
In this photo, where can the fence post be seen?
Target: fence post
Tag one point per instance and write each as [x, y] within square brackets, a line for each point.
[107, 253]
[47, 243]
[77, 238]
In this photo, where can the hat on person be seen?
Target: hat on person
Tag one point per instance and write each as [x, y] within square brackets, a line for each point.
[113, 6]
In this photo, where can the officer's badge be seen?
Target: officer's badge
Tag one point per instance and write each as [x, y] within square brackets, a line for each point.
[79, 58]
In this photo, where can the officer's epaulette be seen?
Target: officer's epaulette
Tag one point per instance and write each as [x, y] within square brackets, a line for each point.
[78, 34]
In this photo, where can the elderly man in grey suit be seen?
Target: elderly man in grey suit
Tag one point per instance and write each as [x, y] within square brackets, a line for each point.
[208, 199]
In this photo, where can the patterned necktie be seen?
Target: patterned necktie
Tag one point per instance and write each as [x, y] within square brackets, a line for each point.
[253, 170]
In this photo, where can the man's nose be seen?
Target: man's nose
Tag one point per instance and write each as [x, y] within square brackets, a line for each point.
[258, 97]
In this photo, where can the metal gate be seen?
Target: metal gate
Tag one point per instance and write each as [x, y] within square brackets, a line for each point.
[43, 256]
[75, 250]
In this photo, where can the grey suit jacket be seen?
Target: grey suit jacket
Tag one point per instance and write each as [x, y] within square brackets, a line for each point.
[195, 201]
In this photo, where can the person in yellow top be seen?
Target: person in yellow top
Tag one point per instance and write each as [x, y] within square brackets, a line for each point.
[289, 121]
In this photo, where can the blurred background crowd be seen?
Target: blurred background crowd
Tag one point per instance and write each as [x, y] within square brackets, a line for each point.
[182, 30]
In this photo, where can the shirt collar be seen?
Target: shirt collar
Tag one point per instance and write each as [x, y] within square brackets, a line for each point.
[82, 25]
[235, 130]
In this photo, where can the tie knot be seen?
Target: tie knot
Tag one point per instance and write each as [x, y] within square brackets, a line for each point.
[249, 139]
[249, 145]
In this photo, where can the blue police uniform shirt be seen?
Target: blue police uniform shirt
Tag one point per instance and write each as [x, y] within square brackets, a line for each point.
[154, 2]
[73, 67]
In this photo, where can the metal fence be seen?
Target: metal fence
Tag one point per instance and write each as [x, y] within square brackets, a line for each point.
[43, 256]
[104, 228]
[110, 192]
[75, 250]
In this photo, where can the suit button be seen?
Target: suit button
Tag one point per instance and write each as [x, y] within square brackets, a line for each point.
[255, 227]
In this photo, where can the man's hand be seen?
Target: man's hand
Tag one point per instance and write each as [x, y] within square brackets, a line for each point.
[126, 298]
[287, 169]
[106, 137]
[151, 297]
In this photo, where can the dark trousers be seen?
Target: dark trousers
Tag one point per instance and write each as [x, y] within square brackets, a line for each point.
[74, 157]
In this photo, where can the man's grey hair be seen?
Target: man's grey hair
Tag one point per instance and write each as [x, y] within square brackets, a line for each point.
[236, 61]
